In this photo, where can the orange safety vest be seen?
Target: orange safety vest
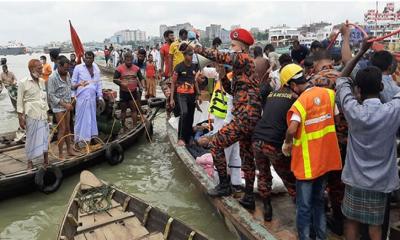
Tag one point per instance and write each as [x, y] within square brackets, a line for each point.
[315, 146]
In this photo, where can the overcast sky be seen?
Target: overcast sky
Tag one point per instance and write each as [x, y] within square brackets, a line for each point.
[34, 23]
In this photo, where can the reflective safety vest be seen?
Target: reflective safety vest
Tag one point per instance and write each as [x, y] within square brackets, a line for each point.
[219, 102]
[315, 148]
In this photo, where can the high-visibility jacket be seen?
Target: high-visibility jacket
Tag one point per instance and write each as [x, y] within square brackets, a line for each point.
[315, 148]
[219, 102]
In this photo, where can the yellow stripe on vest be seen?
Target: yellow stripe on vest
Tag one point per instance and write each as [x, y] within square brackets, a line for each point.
[305, 137]
[304, 141]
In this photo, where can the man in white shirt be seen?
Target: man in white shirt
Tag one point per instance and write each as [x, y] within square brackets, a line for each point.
[32, 113]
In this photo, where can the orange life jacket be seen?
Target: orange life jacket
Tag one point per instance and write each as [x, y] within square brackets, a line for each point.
[315, 146]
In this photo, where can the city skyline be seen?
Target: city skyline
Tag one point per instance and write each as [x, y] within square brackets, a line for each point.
[260, 15]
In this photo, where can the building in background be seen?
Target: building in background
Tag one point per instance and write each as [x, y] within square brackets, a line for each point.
[128, 35]
[282, 36]
[381, 23]
[175, 28]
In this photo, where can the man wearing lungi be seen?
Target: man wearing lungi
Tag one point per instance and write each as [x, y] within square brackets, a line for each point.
[32, 113]
[86, 81]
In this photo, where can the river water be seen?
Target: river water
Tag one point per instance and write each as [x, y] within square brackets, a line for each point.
[150, 171]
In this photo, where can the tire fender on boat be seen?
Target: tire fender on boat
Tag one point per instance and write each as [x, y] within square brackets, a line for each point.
[114, 153]
[48, 180]
[156, 102]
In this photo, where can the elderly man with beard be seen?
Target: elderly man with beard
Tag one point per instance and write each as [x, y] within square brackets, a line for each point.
[32, 113]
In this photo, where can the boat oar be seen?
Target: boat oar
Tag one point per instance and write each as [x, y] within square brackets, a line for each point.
[141, 115]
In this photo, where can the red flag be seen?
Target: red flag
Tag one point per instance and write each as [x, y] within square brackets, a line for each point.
[76, 42]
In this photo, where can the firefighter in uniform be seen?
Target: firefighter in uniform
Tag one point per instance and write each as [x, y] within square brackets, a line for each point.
[221, 109]
[268, 138]
[246, 112]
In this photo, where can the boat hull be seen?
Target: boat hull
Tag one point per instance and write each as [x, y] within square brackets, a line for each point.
[124, 209]
[244, 225]
[20, 182]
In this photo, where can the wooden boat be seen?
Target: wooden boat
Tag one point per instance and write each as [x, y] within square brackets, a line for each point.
[251, 225]
[238, 219]
[110, 70]
[12, 140]
[117, 216]
[16, 179]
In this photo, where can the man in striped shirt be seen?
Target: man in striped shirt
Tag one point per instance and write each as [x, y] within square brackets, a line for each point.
[59, 92]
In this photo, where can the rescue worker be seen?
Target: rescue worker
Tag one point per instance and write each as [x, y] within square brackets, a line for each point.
[246, 113]
[311, 140]
[268, 138]
[221, 109]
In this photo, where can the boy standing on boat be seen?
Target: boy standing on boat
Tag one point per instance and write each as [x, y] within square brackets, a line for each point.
[59, 92]
[312, 142]
[185, 82]
[32, 113]
[127, 77]
[246, 112]
[151, 75]
[46, 68]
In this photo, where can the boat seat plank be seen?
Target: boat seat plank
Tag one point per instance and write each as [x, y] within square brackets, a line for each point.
[135, 228]
[158, 236]
[4, 157]
[100, 219]
[11, 166]
[97, 234]
[80, 237]
[17, 154]
[152, 236]
[116, 231]
[92, 219]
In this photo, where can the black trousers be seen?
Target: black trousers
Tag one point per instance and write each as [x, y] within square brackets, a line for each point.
[187, 104]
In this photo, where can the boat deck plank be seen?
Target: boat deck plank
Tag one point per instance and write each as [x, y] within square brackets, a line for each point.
[9, 165]
[97, 234]
[135, 228]
[81, 237]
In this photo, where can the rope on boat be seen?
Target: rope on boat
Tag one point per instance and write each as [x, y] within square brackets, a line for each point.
[95, 199]
[87, 148]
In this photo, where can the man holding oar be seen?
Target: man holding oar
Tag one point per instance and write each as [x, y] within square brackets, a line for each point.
[129, 77]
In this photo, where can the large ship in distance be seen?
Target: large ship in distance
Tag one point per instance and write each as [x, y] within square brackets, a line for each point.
[13, 48]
